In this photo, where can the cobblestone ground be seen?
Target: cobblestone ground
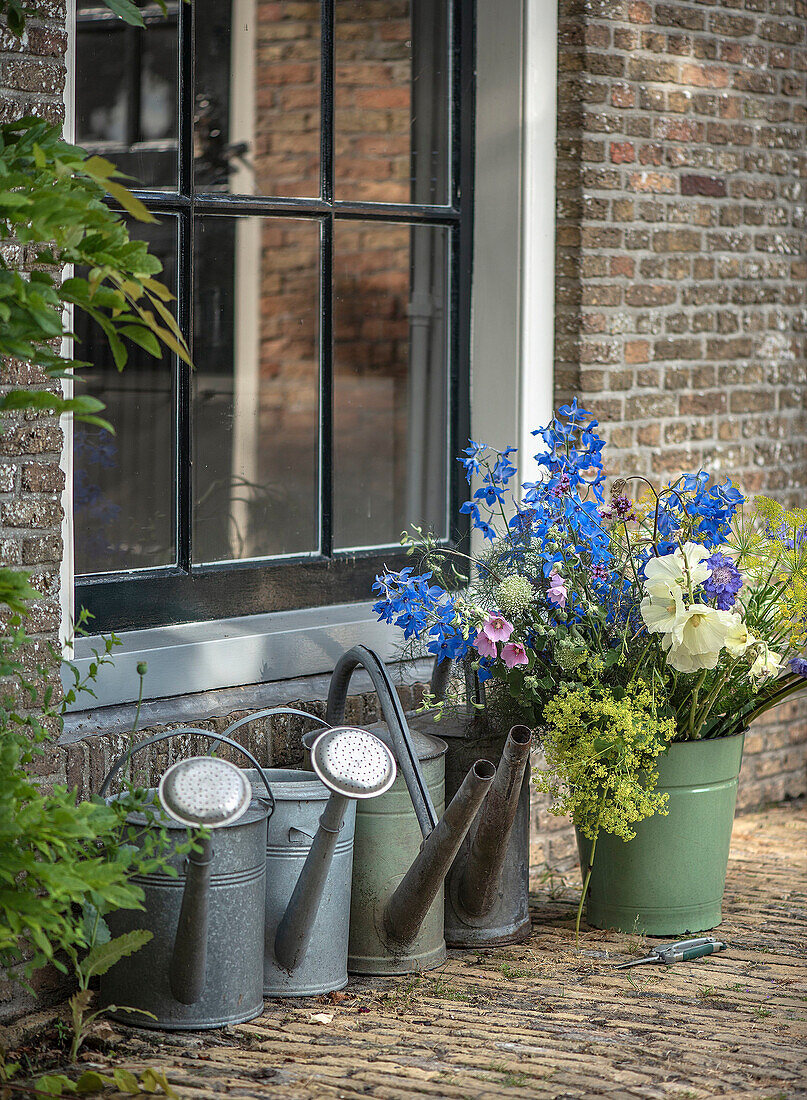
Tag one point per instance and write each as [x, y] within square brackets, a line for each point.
[540, 1019]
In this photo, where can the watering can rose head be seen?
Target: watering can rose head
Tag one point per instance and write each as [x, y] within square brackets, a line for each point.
[686, 586]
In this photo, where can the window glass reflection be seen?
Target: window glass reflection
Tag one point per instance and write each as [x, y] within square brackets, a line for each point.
[255, 387]
[123, 484]
[257, 114]
[126, 92]
[391, 100]
[390, 381]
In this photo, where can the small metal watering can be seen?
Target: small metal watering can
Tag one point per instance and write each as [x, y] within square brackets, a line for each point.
[309, 858]
[203, 966]
[401, 857]
[487, 890]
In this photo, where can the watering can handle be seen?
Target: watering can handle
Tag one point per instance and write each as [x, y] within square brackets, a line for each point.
[126, 756]
[392, 710]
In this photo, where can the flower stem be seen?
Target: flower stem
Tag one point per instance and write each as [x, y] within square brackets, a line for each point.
[586, 881]
[694, 704]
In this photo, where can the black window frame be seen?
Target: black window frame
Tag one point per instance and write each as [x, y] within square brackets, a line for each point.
[188, 593]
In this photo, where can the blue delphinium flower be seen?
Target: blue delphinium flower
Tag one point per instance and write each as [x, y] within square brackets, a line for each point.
[723, 583]
[799, 666]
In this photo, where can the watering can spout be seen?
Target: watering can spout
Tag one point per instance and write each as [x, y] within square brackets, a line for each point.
[413, 897]
[188, 967]
[481, 878]
[297, 923]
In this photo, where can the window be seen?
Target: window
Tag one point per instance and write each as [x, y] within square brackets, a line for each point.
[310, 166]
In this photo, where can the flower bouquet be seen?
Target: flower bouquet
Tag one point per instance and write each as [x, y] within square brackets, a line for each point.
[615, 624]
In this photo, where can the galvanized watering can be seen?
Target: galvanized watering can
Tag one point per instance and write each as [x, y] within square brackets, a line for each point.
[203, 966]
[487, 891]
[309, 858]
[403, 848]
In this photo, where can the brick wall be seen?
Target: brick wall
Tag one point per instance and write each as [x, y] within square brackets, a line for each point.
[32, 75]
[682, 257]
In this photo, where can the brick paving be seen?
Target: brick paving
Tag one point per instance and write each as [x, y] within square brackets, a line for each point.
[541, 1020]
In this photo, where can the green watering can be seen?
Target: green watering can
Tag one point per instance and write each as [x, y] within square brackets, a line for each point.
[404, 843]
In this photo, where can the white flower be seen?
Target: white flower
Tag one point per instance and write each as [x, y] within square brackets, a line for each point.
[767, 661]
[703, 629]
[695, 557]
[662, 615]
[673, 574]
[738, 637]
[698, 639]
[683, 660]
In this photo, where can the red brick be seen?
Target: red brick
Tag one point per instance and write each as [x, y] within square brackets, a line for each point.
[622, 152]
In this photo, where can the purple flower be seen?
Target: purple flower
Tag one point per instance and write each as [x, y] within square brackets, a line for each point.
[497, 627]
[723, 583]
[623, 506]
[557, 592]
[562, 485]
[514, 654]
[799, 666]
[484, 645]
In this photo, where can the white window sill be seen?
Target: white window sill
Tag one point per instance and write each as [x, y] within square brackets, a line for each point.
[256, 649]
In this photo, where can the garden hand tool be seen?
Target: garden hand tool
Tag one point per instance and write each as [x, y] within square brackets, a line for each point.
[681, 951]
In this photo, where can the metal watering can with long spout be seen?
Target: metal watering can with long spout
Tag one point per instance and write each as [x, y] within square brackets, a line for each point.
[309, 858]
[203, 966]
[487, 891]
[403, 848]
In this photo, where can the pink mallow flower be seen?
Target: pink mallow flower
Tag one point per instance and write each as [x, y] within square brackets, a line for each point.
[497, 628]
[514, 654]
[485, 646]
[557, 592]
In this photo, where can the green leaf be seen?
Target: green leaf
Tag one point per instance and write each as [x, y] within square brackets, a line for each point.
[152, 1080]
[105, 955]
[90, 1081]
[129, 203]
[126, 1080]
[144, 337]
[128, 12]
[55, 1084]
[100, 168]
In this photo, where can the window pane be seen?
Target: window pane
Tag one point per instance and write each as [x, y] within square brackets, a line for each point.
[392, 100]
[123, 484]
[126, 93]
[255, 406]
[390, 381]
[257, 125]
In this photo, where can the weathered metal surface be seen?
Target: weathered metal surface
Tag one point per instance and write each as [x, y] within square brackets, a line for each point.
[480, 879]
[233, 982]
[399, 738]
[300, 799]
[541, 1020]
[388, 840]
[508, 919]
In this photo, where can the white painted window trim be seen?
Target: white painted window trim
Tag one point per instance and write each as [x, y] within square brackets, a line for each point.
[512, 368]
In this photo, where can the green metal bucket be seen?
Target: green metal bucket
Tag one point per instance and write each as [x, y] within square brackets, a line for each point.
[669, 880]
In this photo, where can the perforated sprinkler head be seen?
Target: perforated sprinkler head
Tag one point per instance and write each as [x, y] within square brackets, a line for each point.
[353, 762]
[204, 790]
